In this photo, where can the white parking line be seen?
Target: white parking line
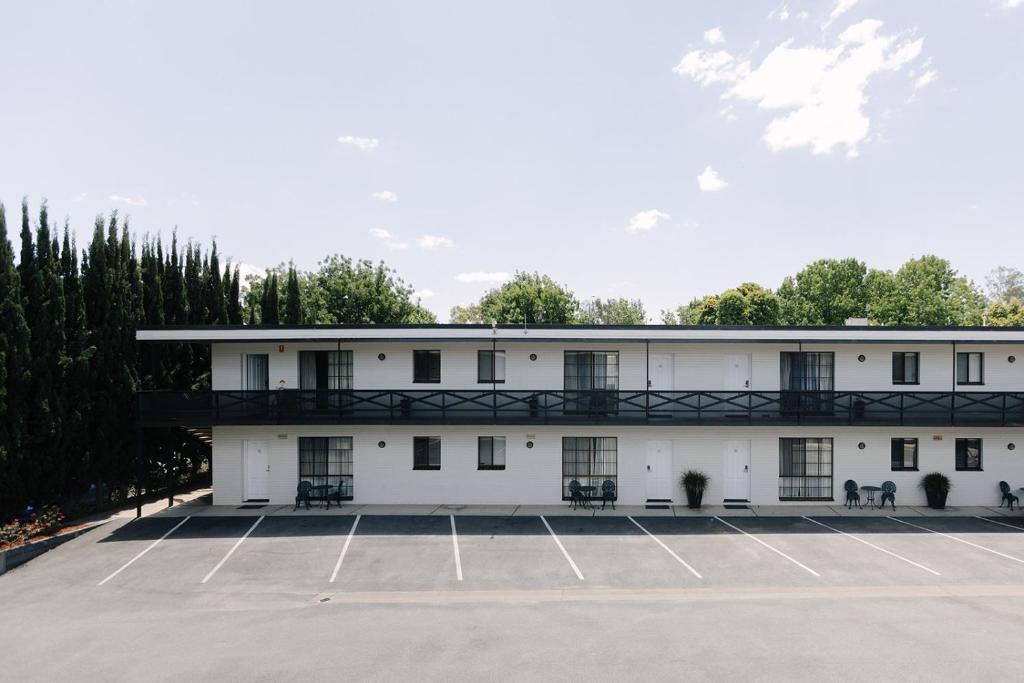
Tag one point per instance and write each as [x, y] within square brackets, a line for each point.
[773, 549]
[1012, 526]
[148, 548]
[233, 549]
[872, 545]
[961, 540]
[667, 549]
[455, 544]
[344, 548]
[562, 548]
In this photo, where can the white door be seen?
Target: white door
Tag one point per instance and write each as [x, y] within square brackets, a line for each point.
[257, 470]
[737, 372]
[662, 372]
[659, 470]
[737, 470]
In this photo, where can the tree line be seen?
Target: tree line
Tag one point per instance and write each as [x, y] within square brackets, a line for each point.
[923, 291]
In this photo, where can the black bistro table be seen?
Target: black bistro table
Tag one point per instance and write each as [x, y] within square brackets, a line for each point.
[871, 491]
[588, 495]
[323, 492]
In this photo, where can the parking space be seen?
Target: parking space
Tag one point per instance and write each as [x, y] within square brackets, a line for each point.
[306, 555]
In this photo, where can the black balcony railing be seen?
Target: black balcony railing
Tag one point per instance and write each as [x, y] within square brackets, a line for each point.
[483, 406]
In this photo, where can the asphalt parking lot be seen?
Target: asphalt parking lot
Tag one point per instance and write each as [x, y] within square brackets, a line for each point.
[141, 591]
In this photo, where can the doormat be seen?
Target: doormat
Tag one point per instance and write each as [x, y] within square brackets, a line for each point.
[728, 506]
[656, 507]
[250, 507]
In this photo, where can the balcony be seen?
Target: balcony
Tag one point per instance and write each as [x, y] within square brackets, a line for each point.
[668, 408]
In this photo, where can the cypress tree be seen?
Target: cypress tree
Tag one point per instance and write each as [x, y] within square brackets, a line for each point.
[14, 378]
[235, 299]
[271, 313]
[215, 302]
[292, 302]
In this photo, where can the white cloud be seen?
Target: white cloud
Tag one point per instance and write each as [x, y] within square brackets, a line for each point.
[423, 293]
[714, 36]
[480, 276]
[434, 242]
[248, 270]
[646, 220]
[710, 181]
[841, 7]
[728, 112]
[81, 196]
[1011, 4]
[361, 143]
[388, 239]
[780, 13]
[130, 201]
[816, 92]
[926, 78]
[385, 196]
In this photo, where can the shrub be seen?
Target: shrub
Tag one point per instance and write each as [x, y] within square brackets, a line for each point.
[695, 480]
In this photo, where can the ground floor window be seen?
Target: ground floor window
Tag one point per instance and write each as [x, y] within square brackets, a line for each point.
[968, 454]
[805, 469]
[426, 452]
[904, 454]
[490, 453]
[327, 461]
[590, 461]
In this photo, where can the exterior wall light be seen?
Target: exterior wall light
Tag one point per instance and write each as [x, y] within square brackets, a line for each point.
[381, 356]
[533, 356]
[862, 445]
[1010, 446]
[529, 444]
[862, 358]
[1012, 359]
[381, 444]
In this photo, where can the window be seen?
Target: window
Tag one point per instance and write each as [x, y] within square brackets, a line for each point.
[426, 452]
[490, 453]
[325, 370]
[257, 375]
[970, 368]
[904, 367]
[426, 367]
[904, 455]
[327, 460]
[589, 460]
[490, 367]
[968, 454]
[807, 371]
[805, 469]
[589, 377]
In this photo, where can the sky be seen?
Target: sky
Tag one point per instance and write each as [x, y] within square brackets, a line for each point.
[651, 150]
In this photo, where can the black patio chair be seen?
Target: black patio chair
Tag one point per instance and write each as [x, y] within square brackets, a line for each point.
[852, 494]
[336, 495]
[888, 493]
[576, 495]
[608, 493]
[302, 494]
[1008, 497]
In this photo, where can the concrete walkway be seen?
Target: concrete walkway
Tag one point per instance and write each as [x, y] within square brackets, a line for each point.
[197, 505]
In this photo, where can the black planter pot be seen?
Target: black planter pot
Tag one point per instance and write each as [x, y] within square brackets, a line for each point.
[693, 498]
[936, 498]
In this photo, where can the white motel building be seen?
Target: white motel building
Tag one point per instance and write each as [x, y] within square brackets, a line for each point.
[476, 414]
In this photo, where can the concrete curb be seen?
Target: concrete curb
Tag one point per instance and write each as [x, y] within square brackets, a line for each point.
[14, 557]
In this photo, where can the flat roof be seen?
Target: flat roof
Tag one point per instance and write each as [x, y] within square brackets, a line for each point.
[602, 333]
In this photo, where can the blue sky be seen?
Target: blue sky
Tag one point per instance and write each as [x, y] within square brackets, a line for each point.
[659, 150]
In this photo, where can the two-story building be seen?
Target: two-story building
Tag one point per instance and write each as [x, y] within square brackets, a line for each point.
[476, 414]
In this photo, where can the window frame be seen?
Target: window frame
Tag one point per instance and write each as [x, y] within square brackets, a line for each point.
[596, 469]
[981, 368]
[493, 353]
[789, 481]
[609, 379]
[902, 355]
[903, 441]
[965, 442]
[491, 440]
[431, 442]
[430, 354]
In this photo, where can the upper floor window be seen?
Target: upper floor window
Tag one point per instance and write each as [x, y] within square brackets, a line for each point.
[807, 370]
[968, 454]
[905, 367]
[257, 371]
[904, 454]
[490, 366]
[426, 452]
[970, 367]
[585, 370]
[426, 367]
[325, 370]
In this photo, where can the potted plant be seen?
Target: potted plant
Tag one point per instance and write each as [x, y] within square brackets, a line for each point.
[936, 487]
[694, 482]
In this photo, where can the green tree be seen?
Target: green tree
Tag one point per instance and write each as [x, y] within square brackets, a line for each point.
[270, 312]
[345, 292]
[1005, 314]
[466, 314]
[924, 291]
[825, 292]
[293, 299]
[215, 301]
[748, 304]
[619, 311]
[15, 375]
[234, 297]
[530, 298]
[1005, 284]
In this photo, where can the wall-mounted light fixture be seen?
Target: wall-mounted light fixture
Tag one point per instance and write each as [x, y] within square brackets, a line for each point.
[533, 356]
[381, 444]
[1012, 359]
[862, 358]
[1010, 446]
[529, 444]
[862, 445]
[381, 356]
